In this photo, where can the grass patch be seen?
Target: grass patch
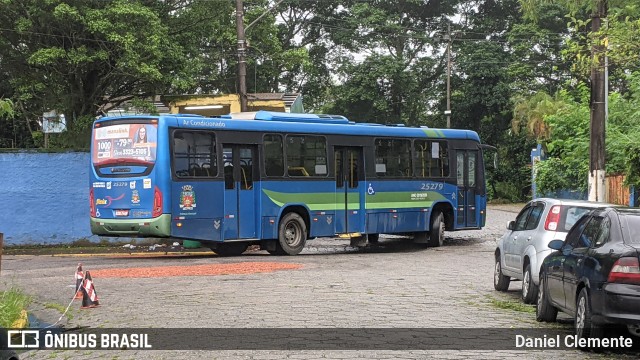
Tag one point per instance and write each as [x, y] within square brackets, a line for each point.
[512, 305]
[60, 308]
[12, 302]
[54, 306]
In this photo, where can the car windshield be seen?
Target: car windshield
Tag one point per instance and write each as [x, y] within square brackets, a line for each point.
[570, 215]
[634, 228]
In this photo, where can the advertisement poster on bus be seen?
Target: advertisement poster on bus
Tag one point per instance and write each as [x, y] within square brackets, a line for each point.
[125, 142]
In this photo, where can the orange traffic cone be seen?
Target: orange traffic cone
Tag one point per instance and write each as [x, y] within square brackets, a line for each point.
[79, 278]
[89, 295]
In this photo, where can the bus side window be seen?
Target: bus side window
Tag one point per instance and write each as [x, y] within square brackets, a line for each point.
[306, 155]
[273, 155]
[431, 159]
[393, 157]
[194, 154]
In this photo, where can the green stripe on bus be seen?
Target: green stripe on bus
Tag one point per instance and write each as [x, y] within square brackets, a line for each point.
[315, 201]
[433, 133]
[403, 199]
[335, 201]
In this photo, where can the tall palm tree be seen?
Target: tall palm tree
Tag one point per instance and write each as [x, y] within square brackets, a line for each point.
[530, 112]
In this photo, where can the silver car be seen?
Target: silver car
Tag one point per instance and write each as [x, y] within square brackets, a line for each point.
[522, 248]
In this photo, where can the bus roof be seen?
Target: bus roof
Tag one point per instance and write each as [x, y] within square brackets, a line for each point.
[270, 121]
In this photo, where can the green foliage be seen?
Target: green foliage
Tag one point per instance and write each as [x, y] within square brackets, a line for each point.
[6, 108]
[12, 302]
[381, 89]
[530, 112]
[537, 50]
[555, 174]
[81, 58]
[623, 132]
[511, 180]
[568, 144]
[393, 81]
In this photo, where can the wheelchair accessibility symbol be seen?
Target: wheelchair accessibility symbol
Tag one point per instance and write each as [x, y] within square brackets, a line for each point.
[370, 190]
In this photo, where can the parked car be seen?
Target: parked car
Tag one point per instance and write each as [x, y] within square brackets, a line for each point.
[522, 248]
[594, 274]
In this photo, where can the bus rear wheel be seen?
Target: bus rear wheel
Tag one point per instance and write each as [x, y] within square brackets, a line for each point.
[230, 249]
[292, 234]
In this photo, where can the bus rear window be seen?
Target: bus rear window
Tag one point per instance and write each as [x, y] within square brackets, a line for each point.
[124, 143]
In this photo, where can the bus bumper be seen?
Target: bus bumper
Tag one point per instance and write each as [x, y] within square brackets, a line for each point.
[156, 227]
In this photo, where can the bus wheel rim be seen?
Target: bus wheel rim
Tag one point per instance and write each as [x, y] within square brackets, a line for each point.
[292, 234]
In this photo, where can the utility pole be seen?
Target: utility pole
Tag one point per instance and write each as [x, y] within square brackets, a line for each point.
[242, 64]
[242, 49]
[448, 111]
[597, 191]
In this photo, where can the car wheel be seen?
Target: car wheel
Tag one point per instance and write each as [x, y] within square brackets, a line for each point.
[529, 289]
[436, 234]
[585, 328]
[500, 281]
[544, 310]
[292, 234]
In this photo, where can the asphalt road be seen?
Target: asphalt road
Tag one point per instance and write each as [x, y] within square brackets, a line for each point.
[396, 284]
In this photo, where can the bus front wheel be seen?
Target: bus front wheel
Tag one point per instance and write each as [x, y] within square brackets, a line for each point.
[436, 233]
[292, 234]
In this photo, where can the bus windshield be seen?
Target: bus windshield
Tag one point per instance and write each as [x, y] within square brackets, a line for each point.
[125, 143]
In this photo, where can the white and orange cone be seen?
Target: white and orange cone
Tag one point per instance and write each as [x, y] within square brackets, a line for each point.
[89, 295]
[79, 277]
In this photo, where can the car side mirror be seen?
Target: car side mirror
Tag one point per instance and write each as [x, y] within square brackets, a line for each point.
[556, 244]
[511, 225]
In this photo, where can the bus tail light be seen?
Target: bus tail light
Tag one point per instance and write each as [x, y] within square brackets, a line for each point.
[553, 218]
[626, 270]
[157, 202]
[92, 203]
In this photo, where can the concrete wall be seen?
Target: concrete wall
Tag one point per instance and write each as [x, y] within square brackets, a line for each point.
[44, 198]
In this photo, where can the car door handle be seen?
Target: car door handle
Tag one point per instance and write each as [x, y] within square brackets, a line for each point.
[529, 238]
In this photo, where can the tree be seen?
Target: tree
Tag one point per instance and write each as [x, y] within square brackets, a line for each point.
[81, 57]
[568, 142]
[530, 113]
[398, 44]
[537, 46]
[598, 50]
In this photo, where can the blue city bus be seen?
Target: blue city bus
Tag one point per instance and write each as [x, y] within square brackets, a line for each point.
[279, 179]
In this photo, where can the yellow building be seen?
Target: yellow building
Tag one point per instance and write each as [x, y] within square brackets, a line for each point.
[212, 105]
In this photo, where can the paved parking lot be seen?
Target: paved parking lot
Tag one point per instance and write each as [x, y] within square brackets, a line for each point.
[397, 284]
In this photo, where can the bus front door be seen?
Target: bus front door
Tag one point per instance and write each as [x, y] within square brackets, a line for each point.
[349, 198]
[467, 170]
[240, 186]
